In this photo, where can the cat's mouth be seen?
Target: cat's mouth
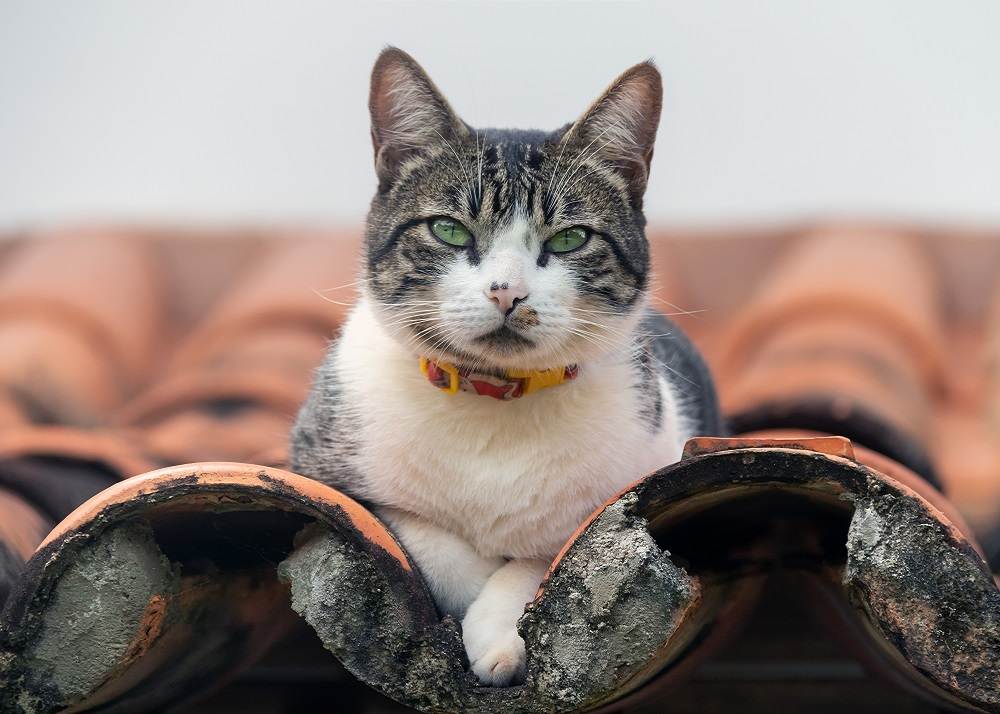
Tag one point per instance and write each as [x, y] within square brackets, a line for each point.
[505, 339]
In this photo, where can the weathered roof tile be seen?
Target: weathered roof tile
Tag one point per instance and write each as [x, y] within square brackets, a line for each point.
[171, 582]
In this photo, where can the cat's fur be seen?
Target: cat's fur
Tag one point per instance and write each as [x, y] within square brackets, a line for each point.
[483, 493]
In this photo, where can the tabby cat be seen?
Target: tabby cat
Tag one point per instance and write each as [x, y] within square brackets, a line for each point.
[502, 373]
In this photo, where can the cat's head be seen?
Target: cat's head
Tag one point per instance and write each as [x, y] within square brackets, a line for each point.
[503, 248]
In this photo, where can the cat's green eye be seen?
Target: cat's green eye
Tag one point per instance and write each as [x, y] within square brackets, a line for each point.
[567, 240]
[451, 232]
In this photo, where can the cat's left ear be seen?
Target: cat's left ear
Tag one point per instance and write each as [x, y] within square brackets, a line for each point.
[621, 125]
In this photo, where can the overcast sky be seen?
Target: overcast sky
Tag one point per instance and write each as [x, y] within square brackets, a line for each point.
[246, 111]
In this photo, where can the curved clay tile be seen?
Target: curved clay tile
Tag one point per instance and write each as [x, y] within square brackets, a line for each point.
[11, 413]
[238, 379]
[80, 312]
[655, 580]
[22, 528]
[832, 444]
[54, 469]
[984, 492]
[993, 361]
[844, 336]
[168, 582]
[667, 282]
[302, 280]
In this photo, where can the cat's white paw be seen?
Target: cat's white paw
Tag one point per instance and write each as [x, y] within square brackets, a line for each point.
[489, 630]
[500, 662]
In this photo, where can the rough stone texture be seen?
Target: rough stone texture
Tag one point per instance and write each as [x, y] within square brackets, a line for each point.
[92, 616]
[931, 599]
[11, 565]
[340, 590]
[615, 593]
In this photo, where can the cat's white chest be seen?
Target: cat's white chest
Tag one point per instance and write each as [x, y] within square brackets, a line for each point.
[513, 478]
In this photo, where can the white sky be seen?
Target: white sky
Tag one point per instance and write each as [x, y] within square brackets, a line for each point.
[252, 111]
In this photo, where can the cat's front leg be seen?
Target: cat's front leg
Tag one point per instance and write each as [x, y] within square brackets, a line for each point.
[495, 649]
[454, 572]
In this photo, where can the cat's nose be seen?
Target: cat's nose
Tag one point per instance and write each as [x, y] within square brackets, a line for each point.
[506, 295]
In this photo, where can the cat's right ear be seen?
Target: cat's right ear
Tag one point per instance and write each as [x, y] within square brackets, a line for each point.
[409, 114]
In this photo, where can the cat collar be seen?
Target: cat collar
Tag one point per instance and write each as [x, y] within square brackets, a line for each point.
[515, 384]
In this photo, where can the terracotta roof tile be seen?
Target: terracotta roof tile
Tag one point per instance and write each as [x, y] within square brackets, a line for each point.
[22, 528]
[844, 335]
[202, 552]
[176, 581]
[235, 382]
[79, 315]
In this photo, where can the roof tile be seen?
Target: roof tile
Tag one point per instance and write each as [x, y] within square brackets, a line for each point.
[189, 574]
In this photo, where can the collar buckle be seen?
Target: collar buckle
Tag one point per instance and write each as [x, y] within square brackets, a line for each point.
[439, 369]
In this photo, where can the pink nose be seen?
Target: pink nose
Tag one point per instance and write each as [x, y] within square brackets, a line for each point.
[506, 296]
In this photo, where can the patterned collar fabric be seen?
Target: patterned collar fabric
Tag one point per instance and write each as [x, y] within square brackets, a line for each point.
[516, 384]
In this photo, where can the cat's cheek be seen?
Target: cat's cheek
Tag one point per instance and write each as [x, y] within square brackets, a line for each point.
[553, 296]
[546, 282]
[458, 282]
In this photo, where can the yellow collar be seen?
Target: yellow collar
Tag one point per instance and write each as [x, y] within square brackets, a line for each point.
[516, 383]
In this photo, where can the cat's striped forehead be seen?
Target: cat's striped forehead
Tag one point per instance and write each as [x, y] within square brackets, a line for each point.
[497, 176]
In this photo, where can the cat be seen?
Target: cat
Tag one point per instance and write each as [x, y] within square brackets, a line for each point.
[501, 374]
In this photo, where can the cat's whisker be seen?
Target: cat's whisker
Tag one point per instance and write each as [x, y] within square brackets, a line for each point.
[414, 325]
[411, 320]
[574, 318]
[622, 333]
[638, 348]
[610, 329]
[580, 179]
[548, 188]
[321, 296]
[652, 295]
[416, 308]
[613, 313]
[468, 178]
[419, 335]
[655, 335]
[583, 153]
[416, 319]
[341, 287]
[584, 157]
[670, 369]
[413, 301]
[591, 337]
[413, 315]
[409, 324]
[565, 186]
[419, 310]
[445, 341]
[680, 310]
[480, 151]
